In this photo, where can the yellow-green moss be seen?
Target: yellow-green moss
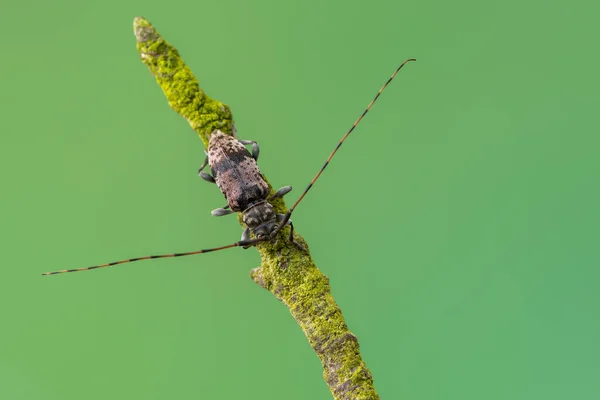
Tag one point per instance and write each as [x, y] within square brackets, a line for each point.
[289, 273]
[179, 84]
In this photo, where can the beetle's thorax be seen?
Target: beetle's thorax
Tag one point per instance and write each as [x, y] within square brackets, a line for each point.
[260, 218]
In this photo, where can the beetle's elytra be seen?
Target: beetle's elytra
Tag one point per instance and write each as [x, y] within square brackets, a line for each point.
[235, 172]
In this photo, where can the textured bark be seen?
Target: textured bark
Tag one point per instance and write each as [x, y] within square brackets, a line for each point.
[287, 272]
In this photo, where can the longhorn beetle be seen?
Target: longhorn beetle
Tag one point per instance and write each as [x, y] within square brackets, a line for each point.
[235, 171]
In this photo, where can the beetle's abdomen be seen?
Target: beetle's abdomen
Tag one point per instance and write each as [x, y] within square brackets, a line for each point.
[235, 172]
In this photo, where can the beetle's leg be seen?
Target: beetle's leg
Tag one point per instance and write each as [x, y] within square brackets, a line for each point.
[204, 164]
[255, 148]
[206, 176]
[281, 192]
[280, 218]
[246, 238]
[246, 234]
[219, 212]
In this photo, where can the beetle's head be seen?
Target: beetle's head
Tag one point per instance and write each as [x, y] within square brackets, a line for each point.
[261, 220]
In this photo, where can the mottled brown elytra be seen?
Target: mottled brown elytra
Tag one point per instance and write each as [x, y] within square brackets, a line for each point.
[235, 171]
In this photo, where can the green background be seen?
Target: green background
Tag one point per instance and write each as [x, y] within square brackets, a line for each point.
[458, 224]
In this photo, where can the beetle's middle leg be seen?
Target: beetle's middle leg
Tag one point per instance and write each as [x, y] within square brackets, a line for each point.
[281, 192]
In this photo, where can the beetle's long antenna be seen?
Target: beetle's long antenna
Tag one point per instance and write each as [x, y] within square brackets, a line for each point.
[190, 253]
[310, 185]
[282, 223]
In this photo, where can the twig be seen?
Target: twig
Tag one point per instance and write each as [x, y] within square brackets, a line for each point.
[287, 272]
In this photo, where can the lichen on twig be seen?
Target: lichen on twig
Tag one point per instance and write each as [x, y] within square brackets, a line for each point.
[287, 272]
